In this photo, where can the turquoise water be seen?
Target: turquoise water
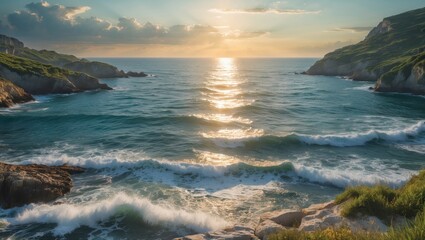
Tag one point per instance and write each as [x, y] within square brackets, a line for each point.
[204, 143]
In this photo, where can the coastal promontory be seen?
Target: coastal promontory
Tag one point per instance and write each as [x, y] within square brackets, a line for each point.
[392, 55]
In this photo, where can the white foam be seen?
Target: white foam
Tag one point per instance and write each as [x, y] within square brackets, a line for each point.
[357, 139]
[345, 176]
[69, 217]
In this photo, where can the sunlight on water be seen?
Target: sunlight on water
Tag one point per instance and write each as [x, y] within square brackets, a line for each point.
[234, 134]
[223, 118]
[225, 93]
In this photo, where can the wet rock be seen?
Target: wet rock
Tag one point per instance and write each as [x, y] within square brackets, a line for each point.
[25, 184]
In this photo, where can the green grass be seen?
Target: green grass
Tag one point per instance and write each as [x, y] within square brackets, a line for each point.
[380, 201]
[384, 202]
[27, 66]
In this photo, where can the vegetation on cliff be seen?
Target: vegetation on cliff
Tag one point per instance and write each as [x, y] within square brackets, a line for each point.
[26, 66]
[393, 47]
[38, 78]
[93, 68]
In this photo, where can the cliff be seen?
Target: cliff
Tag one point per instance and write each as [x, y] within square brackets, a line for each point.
[96, 69]
[38, 78]
[394, 45]
[11, 94]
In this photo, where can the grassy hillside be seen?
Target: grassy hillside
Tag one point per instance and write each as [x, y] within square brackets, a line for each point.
[392, 43]
[27, 66]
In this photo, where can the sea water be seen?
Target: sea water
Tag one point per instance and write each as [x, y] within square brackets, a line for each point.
[201, 144]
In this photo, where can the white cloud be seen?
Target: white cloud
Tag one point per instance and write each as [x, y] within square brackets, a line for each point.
[261, 10]
[57, 23]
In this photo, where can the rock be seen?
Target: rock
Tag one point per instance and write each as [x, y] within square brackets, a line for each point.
[286, 217]
[9, 45]
[266, 228]
[11, 94]
[408, 80]
[20, 185]
[232, 233]
[316, 207]
[136, 74]
[328, 215]
[96, 69]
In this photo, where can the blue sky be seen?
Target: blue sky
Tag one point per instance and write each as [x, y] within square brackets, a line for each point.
[197, 28]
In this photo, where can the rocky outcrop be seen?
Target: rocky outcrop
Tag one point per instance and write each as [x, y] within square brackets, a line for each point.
[11, 94]
[96, 69]
[384, 56]
[136, 74]
[410, 80]
[316, 217]
[20, 185]
[10, 45]
[37, 78]
[382, 28]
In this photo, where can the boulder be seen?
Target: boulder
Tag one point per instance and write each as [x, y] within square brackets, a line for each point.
[286, 217]
[136, 74]
[330, 216]
[266, 228]
[25, 184]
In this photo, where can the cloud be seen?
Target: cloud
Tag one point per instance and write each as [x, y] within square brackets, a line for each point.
[351, 29]
[261, 10]
[241, 35]
[46, 22]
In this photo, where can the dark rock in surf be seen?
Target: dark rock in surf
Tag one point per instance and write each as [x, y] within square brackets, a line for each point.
[25, 184]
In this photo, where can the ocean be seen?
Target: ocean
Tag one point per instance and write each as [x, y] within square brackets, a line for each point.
[205, 143]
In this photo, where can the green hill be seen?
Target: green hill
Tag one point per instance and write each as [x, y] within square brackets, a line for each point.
[392, 54]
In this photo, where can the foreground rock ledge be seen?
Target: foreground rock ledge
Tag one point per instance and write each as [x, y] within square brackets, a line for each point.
[25, 184]
[315, 217]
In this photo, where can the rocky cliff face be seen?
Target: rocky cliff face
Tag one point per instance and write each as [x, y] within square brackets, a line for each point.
[9, 45]
[11, 94]
[386, 49]
[20, 185]
[410, 80]
[37, 78]
[96, 69]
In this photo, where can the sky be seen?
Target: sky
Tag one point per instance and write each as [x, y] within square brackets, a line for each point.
[195, 28]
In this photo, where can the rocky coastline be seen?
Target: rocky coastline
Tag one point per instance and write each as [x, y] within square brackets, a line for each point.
[25, 184]
[313, 218]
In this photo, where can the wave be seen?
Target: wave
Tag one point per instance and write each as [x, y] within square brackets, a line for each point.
[211, 172]
[358, 139]
[69, 217]
[259, 139]
[343, 178]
